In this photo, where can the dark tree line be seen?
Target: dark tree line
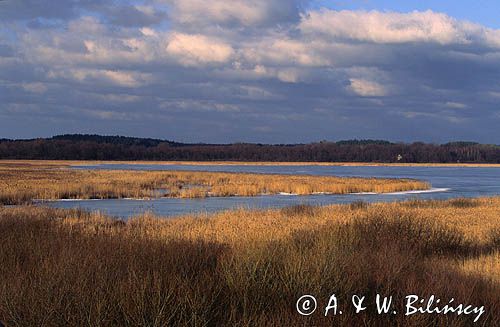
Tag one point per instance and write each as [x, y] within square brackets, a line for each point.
[95, 147]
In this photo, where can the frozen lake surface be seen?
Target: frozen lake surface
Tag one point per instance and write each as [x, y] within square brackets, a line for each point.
[447, 182]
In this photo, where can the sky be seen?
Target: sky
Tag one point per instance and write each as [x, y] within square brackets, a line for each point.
[268, 71]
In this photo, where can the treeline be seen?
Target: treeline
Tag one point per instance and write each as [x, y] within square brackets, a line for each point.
[95, 147]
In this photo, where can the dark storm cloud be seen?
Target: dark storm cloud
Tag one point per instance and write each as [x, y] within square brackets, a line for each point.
[266, 71]
[192, 14]
[6, 51]
[29, 9]
[134, 16]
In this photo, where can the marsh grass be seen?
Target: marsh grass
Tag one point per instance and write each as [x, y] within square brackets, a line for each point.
[246, 268]
[464, 203]
[299, 210]
[457, 203]
[21, 184]
[64, 277]
[358, 205]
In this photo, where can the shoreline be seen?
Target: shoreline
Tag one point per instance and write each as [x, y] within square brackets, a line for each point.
[24, 183]
[416, 191]
[72, 163]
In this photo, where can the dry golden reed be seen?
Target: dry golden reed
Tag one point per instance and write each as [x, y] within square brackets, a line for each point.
[247, 267]
[22, 183]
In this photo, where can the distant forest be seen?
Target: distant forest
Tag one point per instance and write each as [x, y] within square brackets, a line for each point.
[95, 147]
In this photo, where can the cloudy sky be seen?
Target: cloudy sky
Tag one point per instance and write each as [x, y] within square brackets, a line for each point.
[273, 71]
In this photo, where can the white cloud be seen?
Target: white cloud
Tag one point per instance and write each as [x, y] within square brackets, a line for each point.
[366, 88]
[392, 27]
[114, 77]
[494, 94]
[107, 115]
[278, 49]
[124, 78]
[455, 105]
[35, 87]
[146, 31]
[194, 50]
[86, 25]
[114, 98]
[191, 105]
[256, 93]
[70, 47]
[288, 75]
[244, 59]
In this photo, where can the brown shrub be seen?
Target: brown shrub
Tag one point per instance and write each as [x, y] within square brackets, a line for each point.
[69, 267]
[299, 210]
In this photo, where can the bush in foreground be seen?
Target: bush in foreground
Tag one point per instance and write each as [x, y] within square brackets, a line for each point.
[66, 267]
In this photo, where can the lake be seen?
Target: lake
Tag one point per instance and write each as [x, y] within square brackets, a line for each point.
[447, 182]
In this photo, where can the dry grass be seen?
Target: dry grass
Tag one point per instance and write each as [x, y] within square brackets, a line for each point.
[241, 227]
[247, 268]
[20, 184]
[486, 266]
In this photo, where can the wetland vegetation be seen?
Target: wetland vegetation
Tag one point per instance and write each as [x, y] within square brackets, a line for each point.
[237, 267]
[23, 183]
[247, 268]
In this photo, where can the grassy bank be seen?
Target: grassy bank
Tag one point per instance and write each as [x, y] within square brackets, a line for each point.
[21, 183]
[248, 268]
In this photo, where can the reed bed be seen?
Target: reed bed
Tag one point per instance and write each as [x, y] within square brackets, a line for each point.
[22, 184]
[486, 266]
[246, 267]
